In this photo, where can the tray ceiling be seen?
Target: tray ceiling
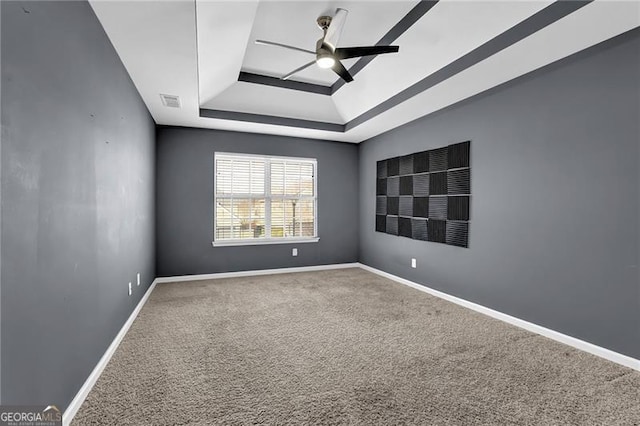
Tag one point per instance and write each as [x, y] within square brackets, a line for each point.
[204, 52]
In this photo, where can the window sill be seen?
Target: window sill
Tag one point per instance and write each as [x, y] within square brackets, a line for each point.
[263, 241]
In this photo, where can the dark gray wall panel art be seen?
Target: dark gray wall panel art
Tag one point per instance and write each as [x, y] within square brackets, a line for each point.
[426, 195]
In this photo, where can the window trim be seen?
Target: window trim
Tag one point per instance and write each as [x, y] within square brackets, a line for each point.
[267, 197]
[264, 241]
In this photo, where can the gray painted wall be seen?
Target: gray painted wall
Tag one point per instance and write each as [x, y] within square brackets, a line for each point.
[77, 198]
[555, 210]
[184, 202]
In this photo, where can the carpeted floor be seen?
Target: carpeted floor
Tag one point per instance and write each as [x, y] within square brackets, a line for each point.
[344, 347]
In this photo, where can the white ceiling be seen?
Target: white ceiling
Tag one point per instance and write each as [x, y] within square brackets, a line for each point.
[196, 50]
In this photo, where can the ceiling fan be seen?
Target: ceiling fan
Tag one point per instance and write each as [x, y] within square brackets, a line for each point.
[328, 55]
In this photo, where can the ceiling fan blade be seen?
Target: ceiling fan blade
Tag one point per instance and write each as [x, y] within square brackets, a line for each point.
[285, 77]
[335, 28]
[356, 52]
[339, 69]
[271, 43]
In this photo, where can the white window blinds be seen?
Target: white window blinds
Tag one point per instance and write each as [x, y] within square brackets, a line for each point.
[264, 198]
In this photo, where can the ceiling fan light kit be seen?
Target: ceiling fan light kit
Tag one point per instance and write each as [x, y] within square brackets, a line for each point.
[326, 61]
[328, 55]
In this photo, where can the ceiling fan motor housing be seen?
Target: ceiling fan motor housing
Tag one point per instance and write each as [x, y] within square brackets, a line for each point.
[324, 22]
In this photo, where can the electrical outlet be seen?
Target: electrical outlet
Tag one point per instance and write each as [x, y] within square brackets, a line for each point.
[413, 263]
[138, 278]
[294, 252]
[129, 288]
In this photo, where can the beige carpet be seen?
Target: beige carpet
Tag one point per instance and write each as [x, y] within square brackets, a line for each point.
[344, 347]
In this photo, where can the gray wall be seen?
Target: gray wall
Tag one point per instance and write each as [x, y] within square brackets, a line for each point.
[77, 198]
[184, 202]
[554, 231]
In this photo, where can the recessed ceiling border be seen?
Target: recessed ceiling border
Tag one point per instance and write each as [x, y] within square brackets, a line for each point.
[249, 77]
[271, 119]
[536, 22]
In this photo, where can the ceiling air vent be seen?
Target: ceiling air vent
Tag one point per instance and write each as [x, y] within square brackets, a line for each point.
[170, 101]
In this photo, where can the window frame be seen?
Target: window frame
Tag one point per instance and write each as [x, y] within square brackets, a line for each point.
[267, 196]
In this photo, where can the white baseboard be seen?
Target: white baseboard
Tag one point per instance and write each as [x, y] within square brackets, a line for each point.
[82, 394]
[254, 273]
[610, 355]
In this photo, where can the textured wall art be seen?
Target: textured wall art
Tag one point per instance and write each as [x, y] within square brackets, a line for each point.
[426, 195]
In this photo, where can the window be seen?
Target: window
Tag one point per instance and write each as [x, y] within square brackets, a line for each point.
[264, 199]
